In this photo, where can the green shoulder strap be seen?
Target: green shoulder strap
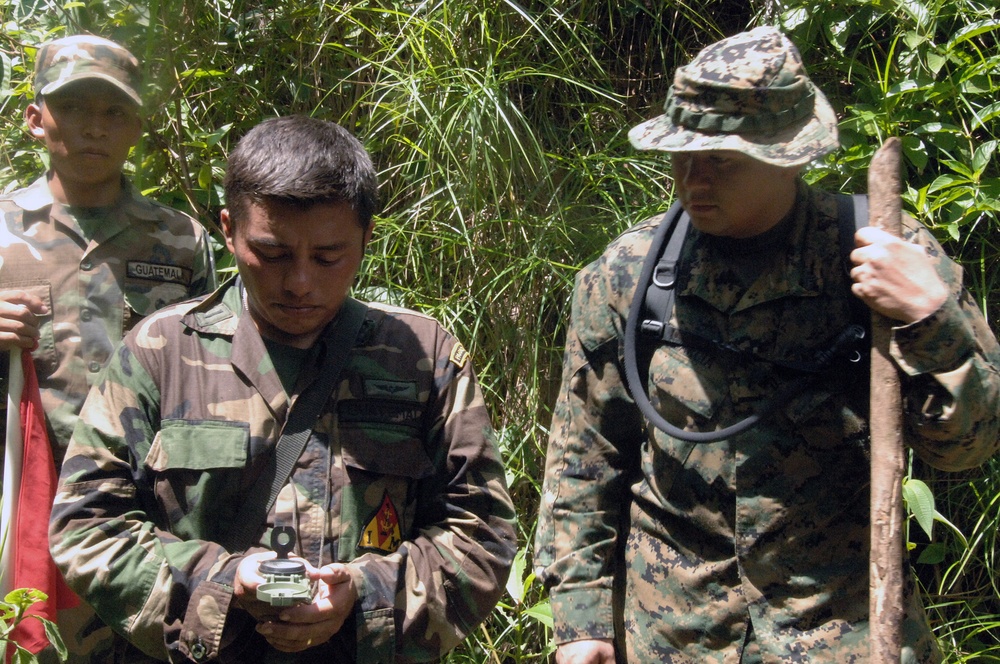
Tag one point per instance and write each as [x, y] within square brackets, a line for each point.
[298, 426]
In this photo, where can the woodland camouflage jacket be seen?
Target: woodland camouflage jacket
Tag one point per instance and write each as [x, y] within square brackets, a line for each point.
[757, 545]
[401, 477]
[142, 256]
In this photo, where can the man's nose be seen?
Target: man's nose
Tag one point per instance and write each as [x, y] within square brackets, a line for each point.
[96, 125]
[299, 278]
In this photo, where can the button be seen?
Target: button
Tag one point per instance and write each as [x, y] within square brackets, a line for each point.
[86, 265]
[85, 315]
[198, 650]
[94, 367]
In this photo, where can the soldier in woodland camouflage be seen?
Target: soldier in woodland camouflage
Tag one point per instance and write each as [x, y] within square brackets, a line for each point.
[84, 256]
[753, 548]
[398, 499]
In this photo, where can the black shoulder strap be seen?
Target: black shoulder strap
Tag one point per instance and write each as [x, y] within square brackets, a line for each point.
[298, 427]
[653, 303]
[852, 214]
[659, 285]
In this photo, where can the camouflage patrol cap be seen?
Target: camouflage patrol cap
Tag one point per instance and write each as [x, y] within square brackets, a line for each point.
[749, 93]
[70, 59]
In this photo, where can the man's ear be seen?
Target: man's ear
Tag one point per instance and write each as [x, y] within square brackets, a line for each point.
[226, 224]
[33, 116]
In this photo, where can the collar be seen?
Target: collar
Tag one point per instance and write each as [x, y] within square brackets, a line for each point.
[220, 312]
[37, 196]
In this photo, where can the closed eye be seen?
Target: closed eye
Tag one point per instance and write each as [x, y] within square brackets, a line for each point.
[328, 261]
[271, 255]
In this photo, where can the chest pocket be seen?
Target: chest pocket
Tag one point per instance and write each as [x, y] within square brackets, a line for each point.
[150, 286]
[46, 359]
[384, 459]
[686, 383]
[197, 469]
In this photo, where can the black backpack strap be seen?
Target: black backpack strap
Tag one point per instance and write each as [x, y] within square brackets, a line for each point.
[653, 303]
[852, 215]
[660, 285]
[298, 427]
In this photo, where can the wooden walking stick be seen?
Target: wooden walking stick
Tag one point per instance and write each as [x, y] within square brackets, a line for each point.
[887, 462]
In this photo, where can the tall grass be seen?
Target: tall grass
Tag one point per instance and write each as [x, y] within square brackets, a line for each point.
[499, 131]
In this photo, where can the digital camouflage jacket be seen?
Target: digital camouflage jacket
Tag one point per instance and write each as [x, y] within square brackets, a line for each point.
[401, 478]
[753, 548]
[143, 256]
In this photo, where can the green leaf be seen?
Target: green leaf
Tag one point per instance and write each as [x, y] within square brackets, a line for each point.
[920, 502]
[937, 128]
[54, 637]
[943, 182]
[7, 611]
[936, 62]
[917, 11]
[793, 18]
[971, 31]
[913, 39]
[24, 656]
[217, 135]
[5, 73]
[25, 597]
[205, 176]
[203, 73]
[515, 581]
[542, 612]
[954, 529]
[932, 554]
[986, 114]
[903, 87]
[915, 151]
[981, 157]
[960, 168]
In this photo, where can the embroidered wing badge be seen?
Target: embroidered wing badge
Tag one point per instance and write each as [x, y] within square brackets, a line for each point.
[382, 532]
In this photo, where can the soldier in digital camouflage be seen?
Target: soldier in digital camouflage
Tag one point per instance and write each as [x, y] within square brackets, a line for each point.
[84, 256]
[398, 499]
[752, 548]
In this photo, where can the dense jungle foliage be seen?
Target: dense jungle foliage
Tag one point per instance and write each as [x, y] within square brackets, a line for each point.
[499, 129]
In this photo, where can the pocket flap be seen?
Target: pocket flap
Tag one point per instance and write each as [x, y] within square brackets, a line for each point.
[402, 457]
[199, 445]
[46, 360]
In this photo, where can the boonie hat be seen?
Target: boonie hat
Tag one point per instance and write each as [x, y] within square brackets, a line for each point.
[70, 59]
[749, 93]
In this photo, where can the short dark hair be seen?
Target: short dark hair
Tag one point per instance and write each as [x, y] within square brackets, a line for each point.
[301, 161]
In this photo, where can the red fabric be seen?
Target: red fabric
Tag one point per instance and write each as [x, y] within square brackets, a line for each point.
[32, 562]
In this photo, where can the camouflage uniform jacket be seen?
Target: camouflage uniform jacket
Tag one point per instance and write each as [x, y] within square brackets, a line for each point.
[754, 547]
[144, 257]
[401, 477]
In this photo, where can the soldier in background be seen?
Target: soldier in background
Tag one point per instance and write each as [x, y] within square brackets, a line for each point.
[84, 256]
[752, 547]
[398, 498]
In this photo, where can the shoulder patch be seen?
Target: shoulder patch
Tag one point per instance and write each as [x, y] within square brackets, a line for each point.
[382, 532]
[459, 356]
